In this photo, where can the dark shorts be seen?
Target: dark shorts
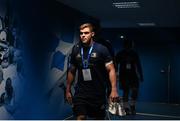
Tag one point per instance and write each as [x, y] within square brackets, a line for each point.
[97, 112]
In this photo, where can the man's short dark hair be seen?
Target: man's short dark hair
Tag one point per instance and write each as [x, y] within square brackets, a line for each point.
[89, 25]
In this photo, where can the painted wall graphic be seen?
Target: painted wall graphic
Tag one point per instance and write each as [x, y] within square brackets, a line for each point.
[57, 76]
[11, 62]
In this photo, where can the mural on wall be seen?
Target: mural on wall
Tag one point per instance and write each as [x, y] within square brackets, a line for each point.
[58, 62]
[11, 61]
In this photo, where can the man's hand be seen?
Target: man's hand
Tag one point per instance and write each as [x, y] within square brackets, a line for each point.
[114, 95]
[69, 97]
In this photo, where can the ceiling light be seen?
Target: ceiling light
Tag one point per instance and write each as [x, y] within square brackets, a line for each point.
[147, 24]
[126, 4]
[122, 37]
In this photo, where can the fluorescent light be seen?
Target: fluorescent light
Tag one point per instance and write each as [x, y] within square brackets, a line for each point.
[126, 4]
[147, 24]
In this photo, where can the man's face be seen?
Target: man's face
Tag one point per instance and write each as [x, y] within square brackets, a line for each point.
[86, 35]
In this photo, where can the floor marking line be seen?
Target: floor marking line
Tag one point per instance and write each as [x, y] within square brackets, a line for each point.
[68, 117]
[158, 115]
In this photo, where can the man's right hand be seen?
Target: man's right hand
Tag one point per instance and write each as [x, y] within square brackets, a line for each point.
[69, 97]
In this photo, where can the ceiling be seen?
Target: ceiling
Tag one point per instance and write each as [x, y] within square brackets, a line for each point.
[149, 13]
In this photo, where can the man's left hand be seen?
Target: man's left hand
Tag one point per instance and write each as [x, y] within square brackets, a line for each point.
[114, 96]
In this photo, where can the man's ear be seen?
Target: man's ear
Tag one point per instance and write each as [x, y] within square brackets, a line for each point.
[93, 34]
